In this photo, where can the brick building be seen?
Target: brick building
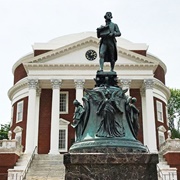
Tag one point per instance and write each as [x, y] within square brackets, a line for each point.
[47, 81]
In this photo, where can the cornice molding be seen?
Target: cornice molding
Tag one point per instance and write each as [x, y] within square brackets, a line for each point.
[45, 66]
[159, 85]
[136, 56]
[17, 87]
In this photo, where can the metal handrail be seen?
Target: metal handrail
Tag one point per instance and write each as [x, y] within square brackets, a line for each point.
[28, 164]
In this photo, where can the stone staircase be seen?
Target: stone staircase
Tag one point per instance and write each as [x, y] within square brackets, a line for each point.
[165, 172]
[46, 167]
[18, 170]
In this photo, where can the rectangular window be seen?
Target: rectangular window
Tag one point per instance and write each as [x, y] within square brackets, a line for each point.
[63, 103]
[159, 111]
[62, 140]
[19, 115]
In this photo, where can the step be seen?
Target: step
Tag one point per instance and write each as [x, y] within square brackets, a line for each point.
[44, 178]
[46, 163]
[48, 157]
[163, 163]
[46, 167]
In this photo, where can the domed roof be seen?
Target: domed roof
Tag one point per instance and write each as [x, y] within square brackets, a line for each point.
[72, 38]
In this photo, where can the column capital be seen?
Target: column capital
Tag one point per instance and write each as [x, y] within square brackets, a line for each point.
[148, 83]
[33, 83]
[142, 91]
[38, 91]
[125, 82]
[79, 83]
[56, 83]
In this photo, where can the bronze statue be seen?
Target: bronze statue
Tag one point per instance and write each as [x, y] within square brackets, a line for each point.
[108, 119]
[78, 119]
[109, 126]
[133, 115]
[107, 50]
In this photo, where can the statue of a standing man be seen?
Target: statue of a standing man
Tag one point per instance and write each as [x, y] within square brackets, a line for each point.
[107, 50]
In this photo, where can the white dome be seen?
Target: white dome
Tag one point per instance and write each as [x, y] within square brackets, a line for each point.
[72, 38]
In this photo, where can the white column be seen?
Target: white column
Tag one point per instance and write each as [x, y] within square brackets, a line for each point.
[31, 116]
[54, 142]
[144, 120]
[38, 94]
[125, 84]
[149, 122]
[79, 84]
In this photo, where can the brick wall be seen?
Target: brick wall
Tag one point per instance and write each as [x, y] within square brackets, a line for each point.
[22, 123]
[69, 116]
[19, 73]
[142, 52]
[45, 121]
[158, 123]
[136, 93]
[173, 159]
[160, 74]
[7, 161]
[38, 52]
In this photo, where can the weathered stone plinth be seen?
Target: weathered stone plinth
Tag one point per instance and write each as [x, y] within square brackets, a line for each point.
[110, 166]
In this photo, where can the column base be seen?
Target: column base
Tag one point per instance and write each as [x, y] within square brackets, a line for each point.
[108, 166]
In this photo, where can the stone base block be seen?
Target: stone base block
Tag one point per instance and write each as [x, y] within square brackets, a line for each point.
[110, 166]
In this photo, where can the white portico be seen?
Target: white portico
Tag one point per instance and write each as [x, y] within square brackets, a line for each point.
[63, 72]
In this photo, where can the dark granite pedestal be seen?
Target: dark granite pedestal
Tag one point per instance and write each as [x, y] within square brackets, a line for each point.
[110, 166]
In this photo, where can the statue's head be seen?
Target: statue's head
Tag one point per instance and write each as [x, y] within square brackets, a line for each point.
[134, 100]
[76, 102]
[108, 15]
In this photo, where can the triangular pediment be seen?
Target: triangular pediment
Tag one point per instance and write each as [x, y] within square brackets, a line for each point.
[63, 122]
[74, 53]
[17, 129]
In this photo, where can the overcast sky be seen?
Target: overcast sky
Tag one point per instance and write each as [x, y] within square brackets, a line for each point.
[25, 22]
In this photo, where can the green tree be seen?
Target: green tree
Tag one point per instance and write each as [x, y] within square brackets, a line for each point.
[4, 131]
[174, 113]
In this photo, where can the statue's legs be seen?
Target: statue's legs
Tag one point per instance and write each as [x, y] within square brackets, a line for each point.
[111, 51]
[112, 65]
[103, 49]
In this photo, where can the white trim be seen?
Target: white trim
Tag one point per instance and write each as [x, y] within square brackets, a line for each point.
[18, 134]
[67, 102]
[66, 139]
[161, 136]
[159, 110]
[63, 125]
[19, 105]
[167, 120]
[12, 113]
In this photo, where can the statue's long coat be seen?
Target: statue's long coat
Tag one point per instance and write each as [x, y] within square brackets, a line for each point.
[115, 30]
